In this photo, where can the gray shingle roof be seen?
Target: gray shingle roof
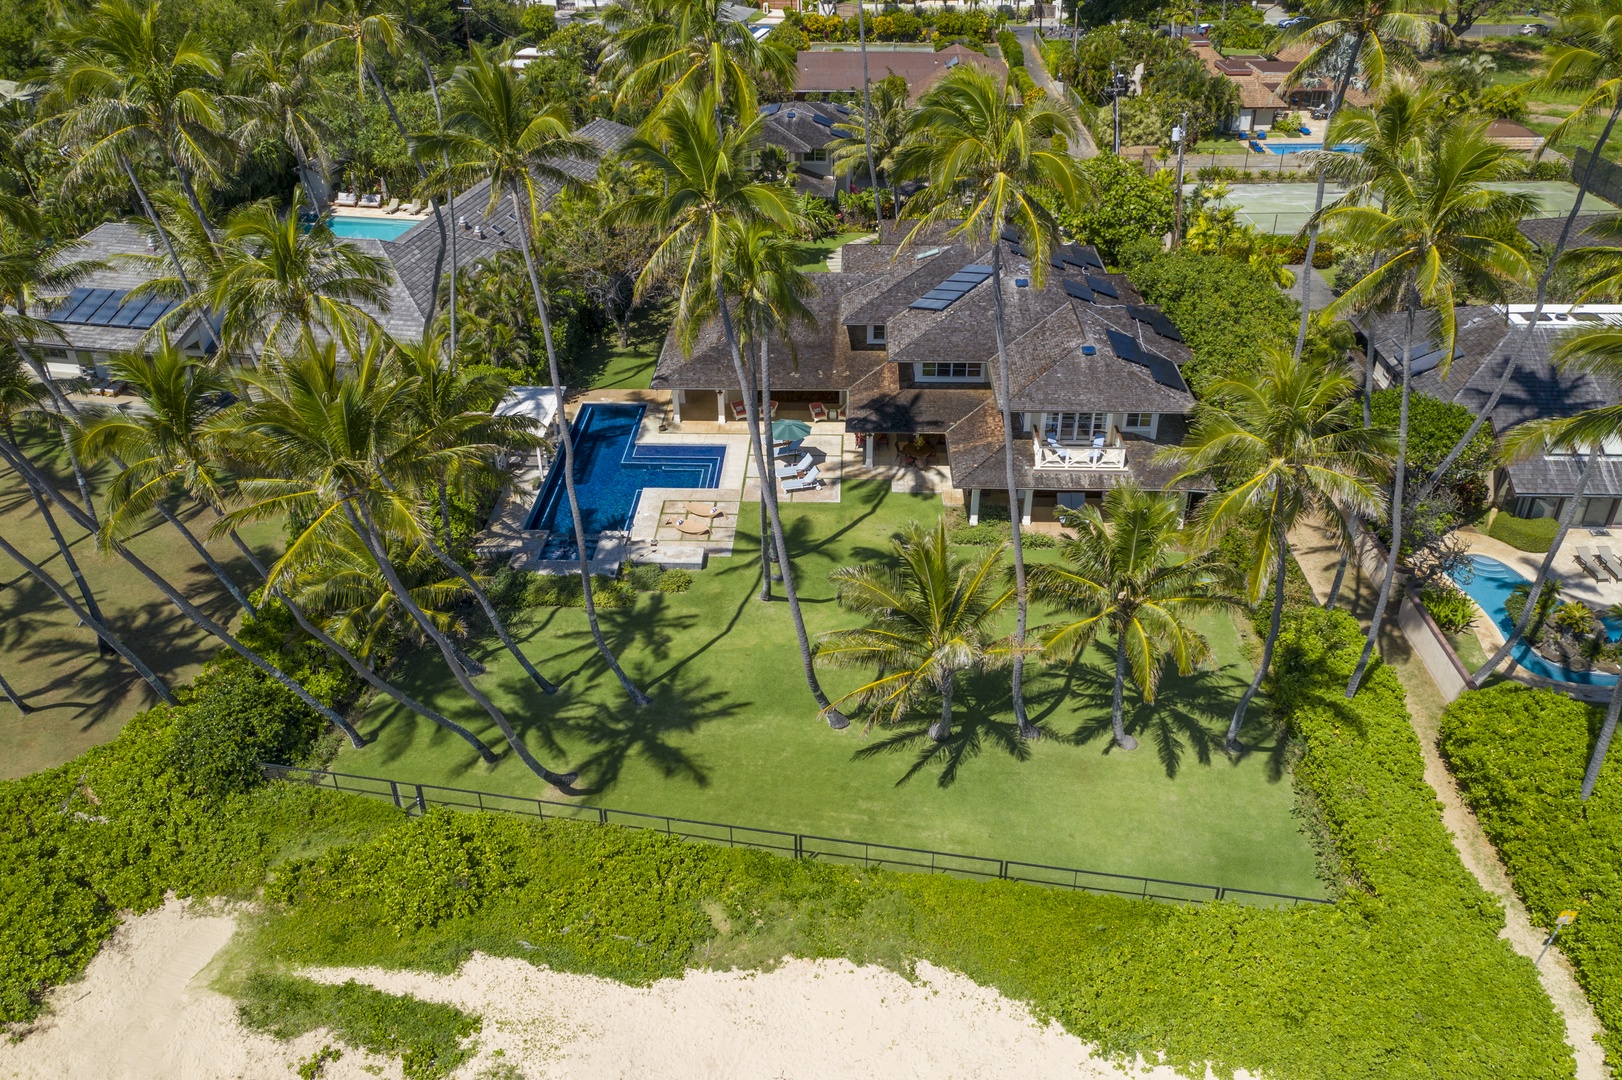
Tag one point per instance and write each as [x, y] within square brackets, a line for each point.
[978, 461]
[1544, 232]
[795, 125]
[879, 402]
[1558, 476]
[123, 247]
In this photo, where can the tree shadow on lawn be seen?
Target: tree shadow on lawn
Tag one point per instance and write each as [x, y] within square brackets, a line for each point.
[615, 734]
[982, 719]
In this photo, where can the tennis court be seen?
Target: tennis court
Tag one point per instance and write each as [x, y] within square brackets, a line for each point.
[1284, 208]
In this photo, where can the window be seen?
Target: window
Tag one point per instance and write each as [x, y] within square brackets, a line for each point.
[1077, 427]
[875, 335]
[1141, 422]
[954, 371]
[819, 154]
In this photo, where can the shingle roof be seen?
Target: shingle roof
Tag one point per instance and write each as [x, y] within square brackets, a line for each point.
[1558, 476]
[124, 248]
[978, 460]
[878, 402]
[822, 71]
[801, 126]
[1545, 232]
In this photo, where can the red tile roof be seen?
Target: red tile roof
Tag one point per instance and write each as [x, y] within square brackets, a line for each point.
[823, 70]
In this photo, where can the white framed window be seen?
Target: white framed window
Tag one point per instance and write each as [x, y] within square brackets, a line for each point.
[819, 154]
[1141, 423]
[955, 371]
[875, 334]
[1073, 427]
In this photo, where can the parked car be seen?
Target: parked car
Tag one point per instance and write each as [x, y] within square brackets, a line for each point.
[1293, 21]
[1205, 27]
[1535, 29]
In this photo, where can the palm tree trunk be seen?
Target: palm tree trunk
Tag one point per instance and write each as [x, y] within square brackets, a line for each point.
[360, 519]
[450, 200]
[1027, 730]
[1335, 101]
[89, 620]
[187, 608]
[1117, 712]
[768, 495]
[317, 193]
[1567, 517]
[941, 730]
[566, 437]
[103, 646]
[1401, 471]
[1596, 760]
[13, 697]
[867, 122]
[1281, 539]
[767, 476]
[208, 558]
[1485, 412]
[422, 175]
[1340, 580]
[64, 409]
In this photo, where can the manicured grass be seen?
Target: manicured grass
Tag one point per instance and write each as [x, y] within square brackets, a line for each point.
[817, 251]
[605, 364]
[81, 699]
[733, 736]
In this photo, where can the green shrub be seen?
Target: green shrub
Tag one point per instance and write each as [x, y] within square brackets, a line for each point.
[233, 718]
[427, 1036]
[563, 590]
[1012, 54]
[675, 581]
[1528, 534]
[1519, 755]
[1453, 610]
[987, 533]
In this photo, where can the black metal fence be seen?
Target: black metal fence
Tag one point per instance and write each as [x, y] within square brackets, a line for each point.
[417, 798]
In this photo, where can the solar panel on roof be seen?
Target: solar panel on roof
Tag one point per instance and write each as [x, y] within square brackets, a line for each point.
[1124, 345]
[1102, 286]
[1018, 250]
[1164, 371]
[1156, 320]
[1010, 236]
[771, 110]
[88, 306]
[103, 315]
[930, 305]
[154, 310]
[1078, 290]
[72, 301]
[128, 311]
[1090, 255]
[953, 288]
[825, 121]
[963, 277]
[977, 268]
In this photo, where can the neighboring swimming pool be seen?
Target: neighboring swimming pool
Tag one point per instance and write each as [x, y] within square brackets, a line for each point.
[610, 470]
[369, 228]
[1490, 587]
[1295, 148]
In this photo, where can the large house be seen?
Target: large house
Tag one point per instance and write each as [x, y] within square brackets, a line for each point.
[1260, 80]
[803, 130]
[902, 346]
[835, 71]
[1538, 486]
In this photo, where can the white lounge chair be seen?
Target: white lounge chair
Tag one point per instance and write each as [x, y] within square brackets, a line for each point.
[811, 481]
[393, 205]
[806, 463]
[1608, 560]
[371, 201]
[788, 449]
[1061, 451]
[1589, 564]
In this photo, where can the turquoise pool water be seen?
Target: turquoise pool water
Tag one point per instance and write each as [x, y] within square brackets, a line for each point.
[1490, 587]
[1295, 148]
[369, 228]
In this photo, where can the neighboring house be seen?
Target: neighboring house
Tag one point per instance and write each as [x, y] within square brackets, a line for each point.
[1514, 136]
[1540, 485]
[903, 347]
[1263, 97]
[804, 130]
[1545, 232]
[98, 319]
[825, 71]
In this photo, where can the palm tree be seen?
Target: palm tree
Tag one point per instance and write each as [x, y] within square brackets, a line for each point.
[1124, 573]
[20, 398]
[665, 51]
[492, 133]
[1439, 224]
[1285, 441]
[1584, 53]
[121, 86]
[281, 96]
[991, 166]
[873, 138]
[928, 619]
[278, 278]
[313, 446]
[724, 239]
[1348, 37]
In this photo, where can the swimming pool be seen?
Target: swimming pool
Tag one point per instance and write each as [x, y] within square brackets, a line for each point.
[1295, 148]
[610, 470]
[369, 228]
[1490, 587]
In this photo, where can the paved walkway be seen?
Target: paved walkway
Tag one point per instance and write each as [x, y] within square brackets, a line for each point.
[1082, 146]
[1318, 558]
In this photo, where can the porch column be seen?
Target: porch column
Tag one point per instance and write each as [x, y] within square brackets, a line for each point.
[974, 507]
[1025, 506]
[867, 448]
[721, 412]
[676, 397]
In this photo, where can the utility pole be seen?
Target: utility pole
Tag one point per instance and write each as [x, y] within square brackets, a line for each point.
[467, 26]
[1117, 87]
[1179, 135]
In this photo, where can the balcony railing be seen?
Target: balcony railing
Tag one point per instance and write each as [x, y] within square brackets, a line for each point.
[1079, 457]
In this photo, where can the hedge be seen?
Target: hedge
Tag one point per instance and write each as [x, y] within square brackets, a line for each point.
[1012, 53]
[1528, 534]
[1519, 755]
[1403, 977]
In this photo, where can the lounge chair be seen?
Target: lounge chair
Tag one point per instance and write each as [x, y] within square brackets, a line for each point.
[699, 510]
[1589, 564]
[689, 527]
[805, 464]
[1059, 450]
[346, 198]
[413, 207]
[1608, 559]
[788, 449]
[811, 481]
[819, 411]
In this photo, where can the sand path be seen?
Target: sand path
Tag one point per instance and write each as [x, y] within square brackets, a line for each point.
[142, 1012]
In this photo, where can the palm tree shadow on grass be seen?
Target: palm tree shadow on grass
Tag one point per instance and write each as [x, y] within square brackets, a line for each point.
[976, 728]
[613, 735]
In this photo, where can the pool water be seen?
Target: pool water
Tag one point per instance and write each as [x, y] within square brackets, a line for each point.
[1295, 148]
[370, 228]
[610, 470]
[1490, 587]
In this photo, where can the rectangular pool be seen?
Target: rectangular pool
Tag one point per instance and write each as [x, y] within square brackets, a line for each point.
[1296, 148]
[370, 228]
[610, 470]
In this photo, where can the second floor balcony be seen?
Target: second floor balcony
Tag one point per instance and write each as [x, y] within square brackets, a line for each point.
[1052, 454]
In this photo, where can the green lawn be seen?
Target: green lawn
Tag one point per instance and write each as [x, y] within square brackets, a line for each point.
[817, 251]
[81, 699]
[605, 364]
[733, 735]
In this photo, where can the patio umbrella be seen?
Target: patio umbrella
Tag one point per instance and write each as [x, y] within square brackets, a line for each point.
[789, 430]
